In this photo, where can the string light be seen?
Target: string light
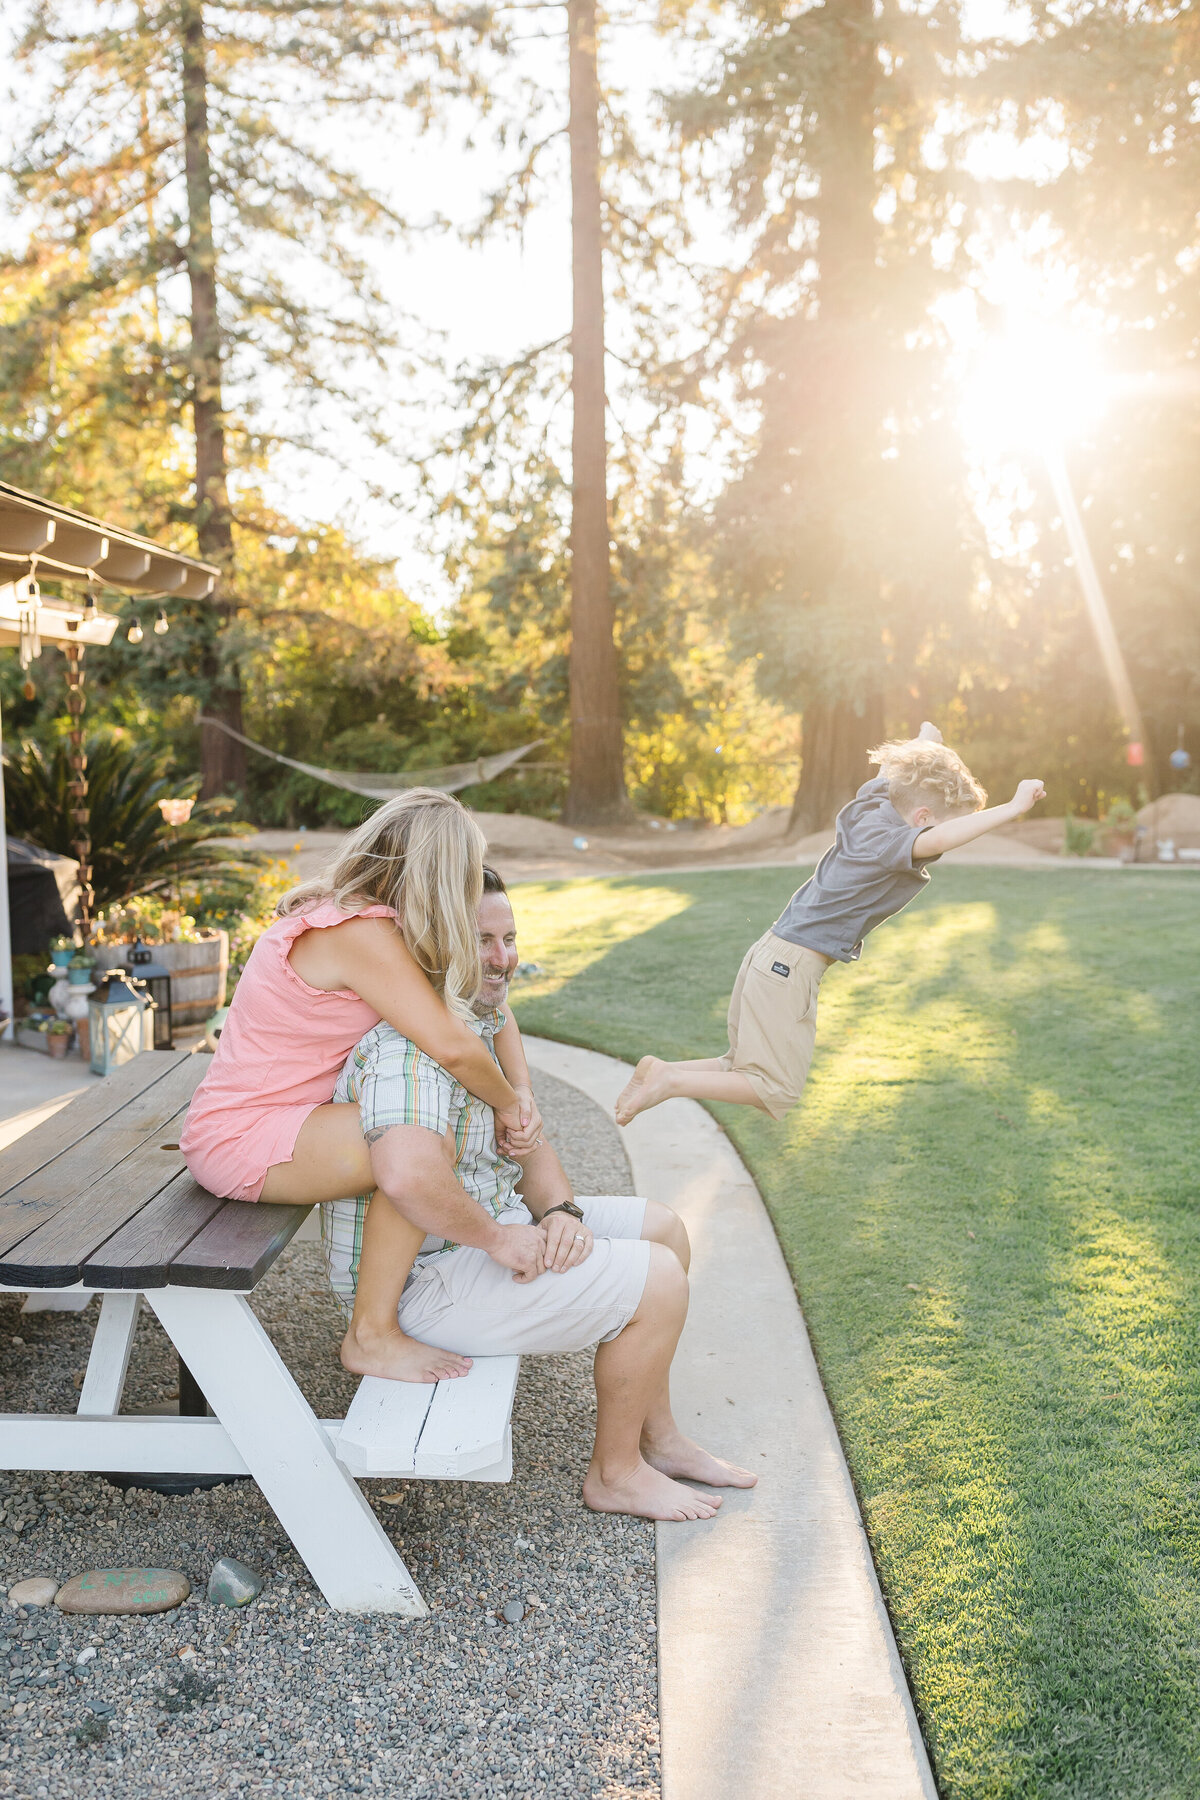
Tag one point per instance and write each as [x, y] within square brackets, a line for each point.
[135, 634]
[161, 624]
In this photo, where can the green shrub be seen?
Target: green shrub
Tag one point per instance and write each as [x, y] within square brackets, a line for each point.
[133, 850]
[1080, 835]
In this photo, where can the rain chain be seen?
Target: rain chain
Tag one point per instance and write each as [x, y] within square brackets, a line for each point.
[80, 812]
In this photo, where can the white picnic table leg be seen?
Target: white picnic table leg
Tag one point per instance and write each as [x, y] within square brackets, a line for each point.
[319, 1505]
[104, 1382]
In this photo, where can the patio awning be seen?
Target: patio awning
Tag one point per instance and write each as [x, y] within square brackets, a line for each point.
[62, 545]
[67, 545]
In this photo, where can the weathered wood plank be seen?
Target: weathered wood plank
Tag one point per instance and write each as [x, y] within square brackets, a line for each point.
[237, 1247]
[141, 1253]
[54, 1253]
[61, 1182]
[88, 1111]
[383, 1425]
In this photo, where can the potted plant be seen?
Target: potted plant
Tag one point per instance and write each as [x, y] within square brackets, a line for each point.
[62, 949]
[79, 970]
[1120, 830]
[195, 956]
[58, 1037]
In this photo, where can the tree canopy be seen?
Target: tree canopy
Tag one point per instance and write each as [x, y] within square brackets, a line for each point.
[807, 236]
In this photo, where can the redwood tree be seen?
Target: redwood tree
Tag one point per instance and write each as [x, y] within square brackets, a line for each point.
[844, 541]
[208, 248]
[597, 791]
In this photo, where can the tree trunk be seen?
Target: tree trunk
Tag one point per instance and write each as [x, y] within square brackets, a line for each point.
[597, 791]
[833, 762]
[847, 720]
[223, 761]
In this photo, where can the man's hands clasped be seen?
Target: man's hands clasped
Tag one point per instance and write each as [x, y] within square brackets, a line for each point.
[519, 1130]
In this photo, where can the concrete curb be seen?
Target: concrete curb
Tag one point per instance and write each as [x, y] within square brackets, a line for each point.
[779, 1675]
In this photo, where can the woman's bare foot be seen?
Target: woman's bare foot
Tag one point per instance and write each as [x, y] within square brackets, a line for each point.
[646, 1494]
[688, 1462]
[397, 1357]
[648, 1087]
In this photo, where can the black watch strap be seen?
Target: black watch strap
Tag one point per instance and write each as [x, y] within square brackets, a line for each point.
[567, 1206]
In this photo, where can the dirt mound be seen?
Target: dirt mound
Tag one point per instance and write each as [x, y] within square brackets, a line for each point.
[1175, 817]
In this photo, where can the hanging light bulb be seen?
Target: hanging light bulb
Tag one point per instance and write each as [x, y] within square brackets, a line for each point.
[161, 624]
[135, 634]
[89, 601]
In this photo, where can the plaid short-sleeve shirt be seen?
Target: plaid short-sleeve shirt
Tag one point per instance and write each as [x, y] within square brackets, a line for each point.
[395, 1083]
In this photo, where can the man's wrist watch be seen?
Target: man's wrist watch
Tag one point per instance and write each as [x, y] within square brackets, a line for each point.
[567, 1206]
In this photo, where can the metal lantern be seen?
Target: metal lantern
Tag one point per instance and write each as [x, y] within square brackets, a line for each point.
[158, 980]
[119, 1022]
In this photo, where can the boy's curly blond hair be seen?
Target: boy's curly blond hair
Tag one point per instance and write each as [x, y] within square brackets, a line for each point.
[921, 773]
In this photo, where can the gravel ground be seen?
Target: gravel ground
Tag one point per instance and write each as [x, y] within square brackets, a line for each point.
[287, 1697]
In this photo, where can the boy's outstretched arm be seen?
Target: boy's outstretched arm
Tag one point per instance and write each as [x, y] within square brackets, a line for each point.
[950, 833]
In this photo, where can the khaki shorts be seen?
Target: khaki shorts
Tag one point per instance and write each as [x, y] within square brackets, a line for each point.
[773, 1020]
[462, 1300]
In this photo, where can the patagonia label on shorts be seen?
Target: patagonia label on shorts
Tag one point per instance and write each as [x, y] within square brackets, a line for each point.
[780, 969]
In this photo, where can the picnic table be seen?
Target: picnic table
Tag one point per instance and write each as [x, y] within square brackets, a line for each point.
[98, 1200]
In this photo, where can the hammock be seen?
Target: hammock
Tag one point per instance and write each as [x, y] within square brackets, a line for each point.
[448, 780]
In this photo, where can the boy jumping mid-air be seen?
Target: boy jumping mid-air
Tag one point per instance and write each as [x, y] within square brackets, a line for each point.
[923, 802]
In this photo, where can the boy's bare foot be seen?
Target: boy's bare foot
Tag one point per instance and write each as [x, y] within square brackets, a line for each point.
[688, 1462]
[646, 1494]
[648, 1087]
[397, 1357]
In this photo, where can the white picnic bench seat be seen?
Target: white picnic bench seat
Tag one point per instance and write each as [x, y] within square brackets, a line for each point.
[97, 1200]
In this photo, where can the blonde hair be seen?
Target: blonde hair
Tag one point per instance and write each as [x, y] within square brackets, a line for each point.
[422, 855]
[921, 773]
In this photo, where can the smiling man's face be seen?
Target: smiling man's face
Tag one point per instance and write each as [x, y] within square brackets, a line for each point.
[498, 949]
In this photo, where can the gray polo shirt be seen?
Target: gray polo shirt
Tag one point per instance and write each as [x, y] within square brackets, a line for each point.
[867, 876]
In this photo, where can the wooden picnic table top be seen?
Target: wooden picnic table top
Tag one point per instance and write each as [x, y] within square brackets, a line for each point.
[100, 1194]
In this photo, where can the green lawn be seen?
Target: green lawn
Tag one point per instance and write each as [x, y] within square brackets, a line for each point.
[988, 1200]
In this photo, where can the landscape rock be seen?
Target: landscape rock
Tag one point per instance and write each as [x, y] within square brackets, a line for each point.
[111, 1591]
[38, 1590]
[514, 1611]
[233, 1583]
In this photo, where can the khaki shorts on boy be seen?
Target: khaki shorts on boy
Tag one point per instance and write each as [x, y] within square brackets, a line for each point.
[773, 1020]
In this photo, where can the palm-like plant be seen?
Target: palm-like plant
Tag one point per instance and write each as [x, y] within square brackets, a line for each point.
[134, 851]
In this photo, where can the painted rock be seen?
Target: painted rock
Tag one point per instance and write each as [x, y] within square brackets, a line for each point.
[39, 1590]
[124, 1591]
[233, 1583]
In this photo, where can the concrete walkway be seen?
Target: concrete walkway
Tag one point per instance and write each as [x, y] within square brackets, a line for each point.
[34, 1087]
[779, 1673]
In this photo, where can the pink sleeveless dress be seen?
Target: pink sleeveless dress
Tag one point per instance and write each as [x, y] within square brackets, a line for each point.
[279, 1056]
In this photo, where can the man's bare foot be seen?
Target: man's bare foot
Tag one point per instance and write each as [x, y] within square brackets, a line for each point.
[688, 1462]
[398, 1357]
[647, 1494]
[648, 1087]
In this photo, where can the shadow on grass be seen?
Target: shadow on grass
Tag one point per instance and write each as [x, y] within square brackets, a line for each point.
[987, 1201]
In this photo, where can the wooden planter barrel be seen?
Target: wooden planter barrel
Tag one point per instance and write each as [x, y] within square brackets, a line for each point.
[199, 973]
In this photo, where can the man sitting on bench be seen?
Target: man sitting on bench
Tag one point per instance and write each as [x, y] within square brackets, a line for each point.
[624, 1284]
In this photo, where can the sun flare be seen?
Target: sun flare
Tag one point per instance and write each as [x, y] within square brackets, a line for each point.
[1032, 389]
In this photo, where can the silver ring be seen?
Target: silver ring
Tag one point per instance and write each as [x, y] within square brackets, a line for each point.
[579, 1237]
